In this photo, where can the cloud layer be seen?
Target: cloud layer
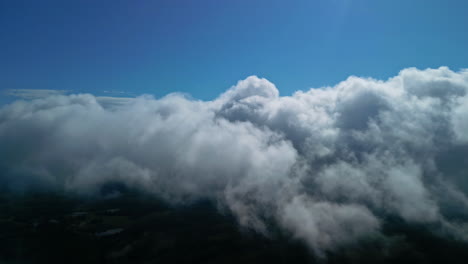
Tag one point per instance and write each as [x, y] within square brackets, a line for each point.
[328, 165]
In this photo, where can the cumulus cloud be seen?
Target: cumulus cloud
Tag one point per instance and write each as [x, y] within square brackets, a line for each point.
[328, 165]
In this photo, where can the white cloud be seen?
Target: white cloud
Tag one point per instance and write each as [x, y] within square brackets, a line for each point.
[326, 164]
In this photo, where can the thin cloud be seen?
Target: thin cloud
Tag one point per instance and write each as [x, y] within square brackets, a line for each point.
[30, 94]
[110, 102]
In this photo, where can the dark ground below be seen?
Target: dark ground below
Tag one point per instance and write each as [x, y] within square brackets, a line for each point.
[51, 228]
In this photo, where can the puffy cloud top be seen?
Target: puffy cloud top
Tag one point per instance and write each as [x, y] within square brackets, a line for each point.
[252, 86]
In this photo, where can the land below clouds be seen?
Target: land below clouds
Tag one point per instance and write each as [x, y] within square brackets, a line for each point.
[45, 227]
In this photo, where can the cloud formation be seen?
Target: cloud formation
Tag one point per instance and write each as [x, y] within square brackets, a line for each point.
[328, 165]
[33, 93]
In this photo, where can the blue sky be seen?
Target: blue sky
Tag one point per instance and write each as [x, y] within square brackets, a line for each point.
[203, 47]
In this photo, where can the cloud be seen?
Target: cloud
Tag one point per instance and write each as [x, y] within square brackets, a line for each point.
[109, 102]
[328, 165]
[324, 225]
[34, 93]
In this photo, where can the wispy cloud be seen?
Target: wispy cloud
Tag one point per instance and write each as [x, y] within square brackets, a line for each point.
[113, 102]
[105, 101]
[29, 94]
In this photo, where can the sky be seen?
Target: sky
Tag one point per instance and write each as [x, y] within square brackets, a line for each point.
[129, 48]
